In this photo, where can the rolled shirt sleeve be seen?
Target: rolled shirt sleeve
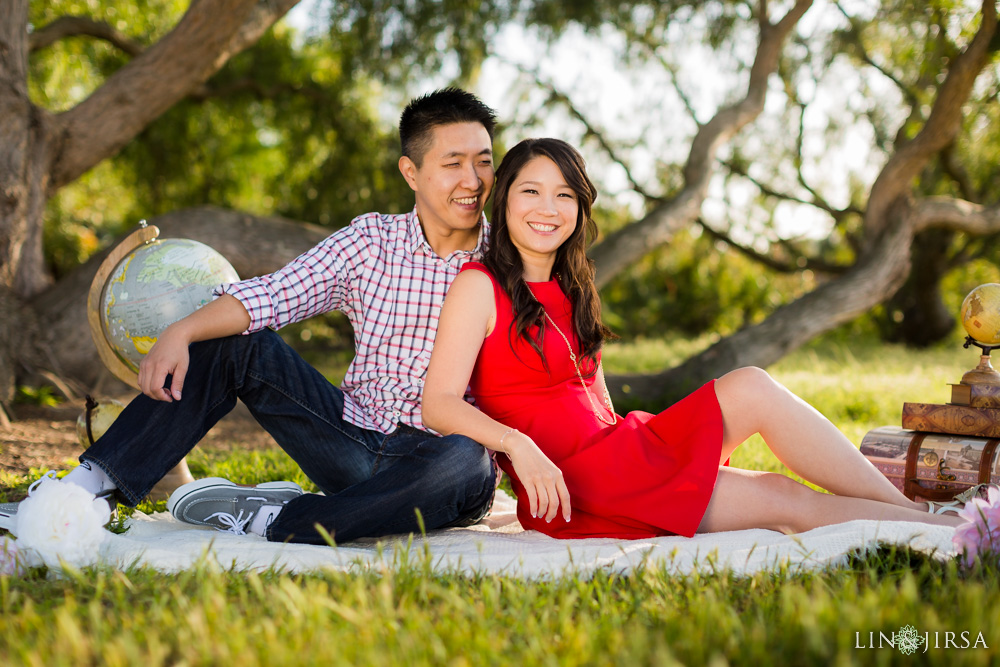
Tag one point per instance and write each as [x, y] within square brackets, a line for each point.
[315, 282]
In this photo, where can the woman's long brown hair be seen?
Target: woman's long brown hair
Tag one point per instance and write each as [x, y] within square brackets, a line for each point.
[573, 269]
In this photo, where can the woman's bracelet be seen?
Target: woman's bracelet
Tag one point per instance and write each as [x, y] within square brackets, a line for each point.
[509, 431]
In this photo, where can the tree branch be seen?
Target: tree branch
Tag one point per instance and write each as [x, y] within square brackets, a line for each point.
[955, 214]
[210, 32]
[207, 91]
[14, 45]
[866, 284]
[941, 127]
[854, 33]
[622, 248]
[671, 69]
[559, 97]
[76, 26]
[956, 171]
[876, 274]
[837, 214]
[799, 263]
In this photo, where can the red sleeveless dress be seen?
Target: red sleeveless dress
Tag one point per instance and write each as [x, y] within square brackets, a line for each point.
[648, 475]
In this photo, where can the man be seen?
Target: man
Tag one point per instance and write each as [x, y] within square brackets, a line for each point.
[363, 445]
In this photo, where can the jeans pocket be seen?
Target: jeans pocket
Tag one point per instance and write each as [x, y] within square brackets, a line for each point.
[400, 442]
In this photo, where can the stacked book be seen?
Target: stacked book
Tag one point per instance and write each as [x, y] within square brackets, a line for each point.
[941, 449]
[974, 410]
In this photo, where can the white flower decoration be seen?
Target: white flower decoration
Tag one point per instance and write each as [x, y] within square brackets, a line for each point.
[59, 520]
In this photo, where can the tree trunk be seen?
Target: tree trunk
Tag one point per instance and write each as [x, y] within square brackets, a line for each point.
[24, 157]
[891, 220]
[40, 152]
[624, 247]
[253, 246]
[925, 319]
[873, 279]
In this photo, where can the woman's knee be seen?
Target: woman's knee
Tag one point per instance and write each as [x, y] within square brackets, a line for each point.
[748, 381]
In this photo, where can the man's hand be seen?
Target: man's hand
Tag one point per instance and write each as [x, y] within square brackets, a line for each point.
[168, 357]
[542, 479]
[225, 316]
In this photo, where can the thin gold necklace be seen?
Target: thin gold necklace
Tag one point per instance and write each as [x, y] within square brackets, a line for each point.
[576, 367]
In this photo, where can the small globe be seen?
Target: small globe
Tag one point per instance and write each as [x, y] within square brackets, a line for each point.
[102, 416]
[981, 314]
[154, 286]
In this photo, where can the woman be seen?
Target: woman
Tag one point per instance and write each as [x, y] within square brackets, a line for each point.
[523, 331]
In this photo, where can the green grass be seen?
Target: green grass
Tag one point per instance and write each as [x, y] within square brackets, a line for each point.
[410, 614]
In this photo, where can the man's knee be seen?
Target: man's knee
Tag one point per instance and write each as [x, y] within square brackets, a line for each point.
[467, 475]
[466, 456]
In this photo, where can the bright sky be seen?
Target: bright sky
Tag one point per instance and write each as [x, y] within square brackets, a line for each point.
[641, 112]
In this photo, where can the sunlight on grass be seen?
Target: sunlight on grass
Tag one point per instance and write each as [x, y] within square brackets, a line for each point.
[408, 613]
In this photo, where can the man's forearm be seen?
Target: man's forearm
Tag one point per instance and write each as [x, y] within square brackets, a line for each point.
[225, 316]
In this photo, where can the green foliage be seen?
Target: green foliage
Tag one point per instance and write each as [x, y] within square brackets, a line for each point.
[283, 129]
[693, 286]
[43, 395]
[298, 126]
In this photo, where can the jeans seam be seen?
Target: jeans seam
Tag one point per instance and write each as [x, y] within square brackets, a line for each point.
[381, 452]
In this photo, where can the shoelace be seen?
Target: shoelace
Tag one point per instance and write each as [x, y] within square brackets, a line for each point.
[234, 524]
[50, 475]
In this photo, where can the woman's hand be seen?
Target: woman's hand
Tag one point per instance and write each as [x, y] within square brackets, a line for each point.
[541, 478]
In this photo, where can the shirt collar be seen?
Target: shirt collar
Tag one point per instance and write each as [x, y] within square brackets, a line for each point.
[416, 240]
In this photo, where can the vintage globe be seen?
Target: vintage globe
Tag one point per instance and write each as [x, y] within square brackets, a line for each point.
[154, 286]
[981, 314]
[101, 415]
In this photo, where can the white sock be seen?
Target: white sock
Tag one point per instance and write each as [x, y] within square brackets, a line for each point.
[265, 515]
[90, 477]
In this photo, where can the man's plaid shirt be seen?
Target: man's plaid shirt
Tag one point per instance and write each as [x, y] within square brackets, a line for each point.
[381, 272]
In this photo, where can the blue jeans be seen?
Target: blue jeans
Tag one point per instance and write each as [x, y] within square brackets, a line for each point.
[373, 483]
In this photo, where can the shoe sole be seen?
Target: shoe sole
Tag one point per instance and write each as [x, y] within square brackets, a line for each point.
[221, 483]
[8, 516]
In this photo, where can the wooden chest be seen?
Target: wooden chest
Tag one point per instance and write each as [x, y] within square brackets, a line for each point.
[932, 466]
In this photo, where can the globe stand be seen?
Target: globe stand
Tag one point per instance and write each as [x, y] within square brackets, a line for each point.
[984, 373]
[179, 474]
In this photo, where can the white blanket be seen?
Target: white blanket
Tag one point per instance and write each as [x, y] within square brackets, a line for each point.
[499, 545]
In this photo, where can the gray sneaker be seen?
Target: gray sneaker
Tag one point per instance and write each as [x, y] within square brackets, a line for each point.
[225, 505]
[8, 515]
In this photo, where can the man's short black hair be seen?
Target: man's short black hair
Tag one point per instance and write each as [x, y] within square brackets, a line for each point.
[441, 107]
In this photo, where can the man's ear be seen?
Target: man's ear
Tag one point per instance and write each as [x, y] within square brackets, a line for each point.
[409, 171]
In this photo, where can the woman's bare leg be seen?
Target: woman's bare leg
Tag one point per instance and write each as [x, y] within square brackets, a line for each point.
[749, 499]
[803, 439]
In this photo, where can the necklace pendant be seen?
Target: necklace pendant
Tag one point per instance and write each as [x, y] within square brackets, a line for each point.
[579, 375]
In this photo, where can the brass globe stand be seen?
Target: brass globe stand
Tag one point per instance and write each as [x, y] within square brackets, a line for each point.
[984, 373]
[179, 474]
